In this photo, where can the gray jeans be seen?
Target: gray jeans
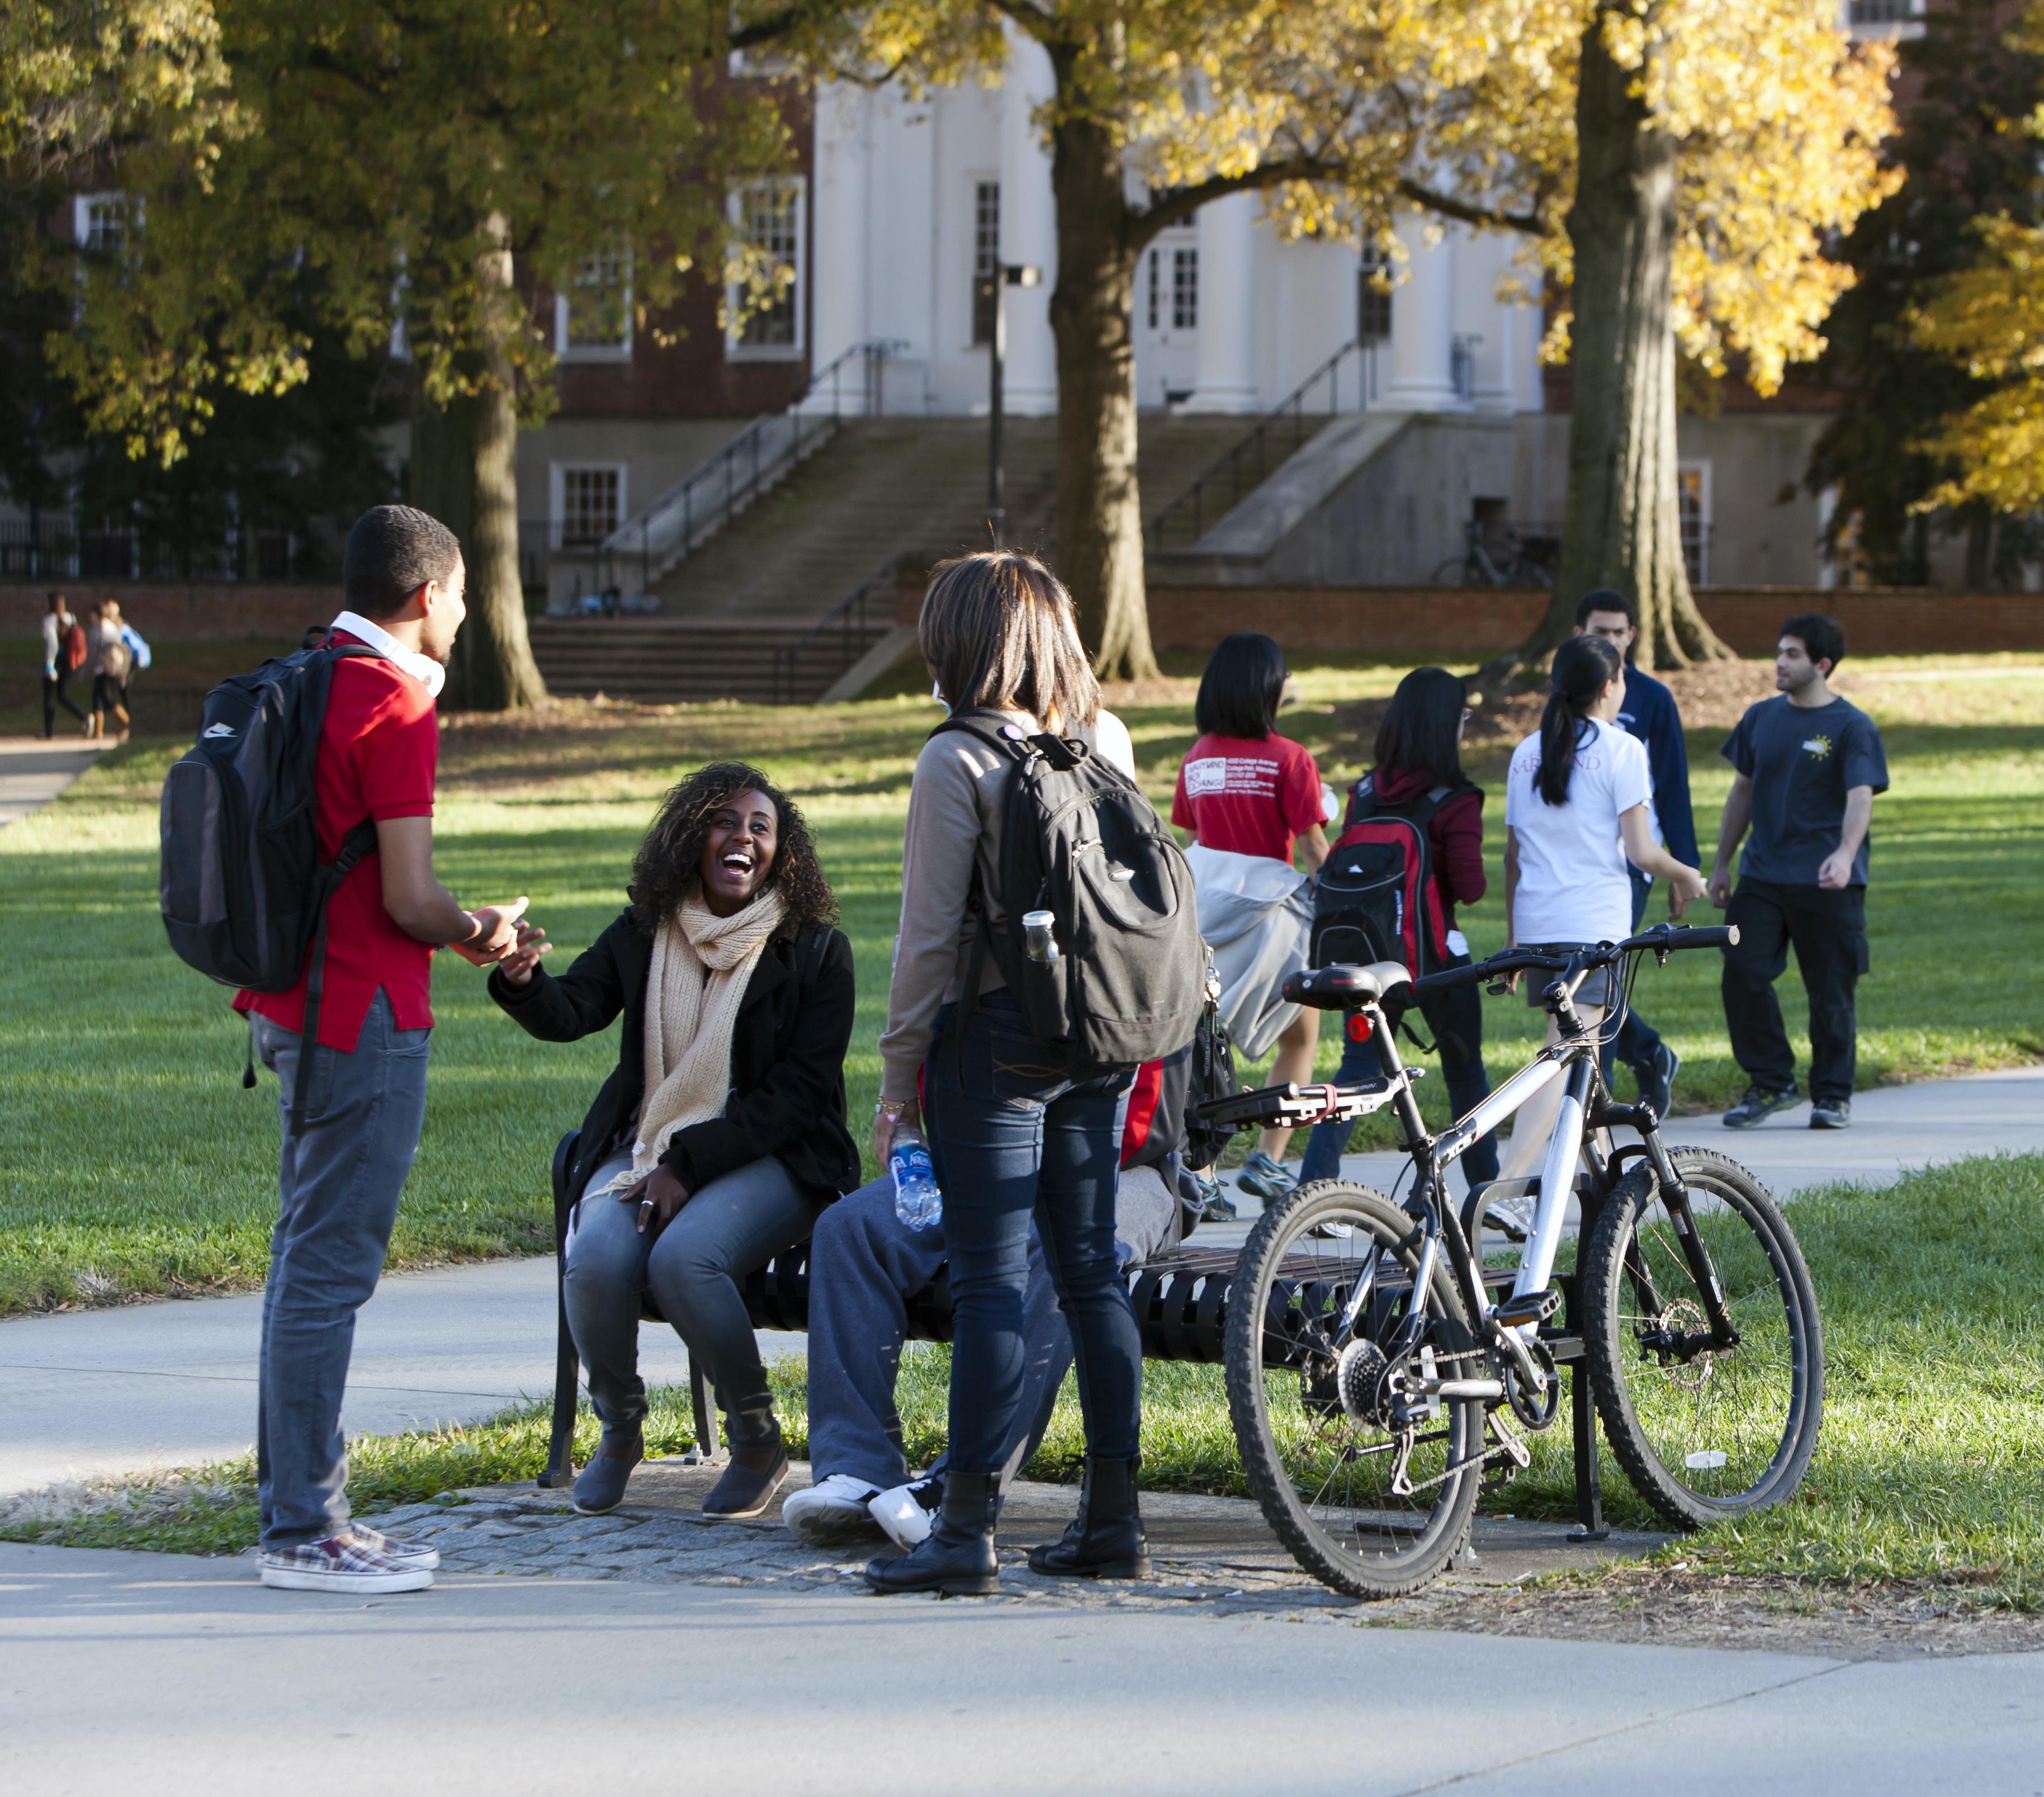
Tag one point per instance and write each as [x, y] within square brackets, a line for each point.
[338, 1182]
[731, 1226]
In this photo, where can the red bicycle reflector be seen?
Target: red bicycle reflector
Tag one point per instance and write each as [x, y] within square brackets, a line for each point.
[1359, 1027]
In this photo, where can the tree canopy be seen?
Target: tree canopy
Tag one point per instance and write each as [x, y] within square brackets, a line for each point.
[1988, 320]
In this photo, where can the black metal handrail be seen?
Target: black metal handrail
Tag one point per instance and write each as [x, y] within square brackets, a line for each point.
[730, 479]
[847, 618]
[1234, 465]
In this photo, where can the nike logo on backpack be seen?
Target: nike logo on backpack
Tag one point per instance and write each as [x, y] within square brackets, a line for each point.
[218, 729]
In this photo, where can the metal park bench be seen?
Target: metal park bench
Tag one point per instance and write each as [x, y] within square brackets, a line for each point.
[1180, 1300]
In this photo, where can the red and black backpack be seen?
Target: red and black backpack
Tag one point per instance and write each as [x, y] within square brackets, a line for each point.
[1376, 898]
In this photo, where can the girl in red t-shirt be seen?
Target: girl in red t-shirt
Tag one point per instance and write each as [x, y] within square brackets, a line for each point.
[1245, 790]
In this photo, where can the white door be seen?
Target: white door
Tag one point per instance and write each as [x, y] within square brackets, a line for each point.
[1167, 318]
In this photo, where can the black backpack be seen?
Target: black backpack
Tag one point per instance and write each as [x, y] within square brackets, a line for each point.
[242, 891]
[1081, 841]
[1375, 898]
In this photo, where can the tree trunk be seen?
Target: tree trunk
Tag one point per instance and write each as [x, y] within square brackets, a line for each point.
[465, 473]
[1093, 315]
[1624, 526]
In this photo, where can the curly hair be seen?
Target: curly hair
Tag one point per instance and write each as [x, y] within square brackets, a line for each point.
[668, 867]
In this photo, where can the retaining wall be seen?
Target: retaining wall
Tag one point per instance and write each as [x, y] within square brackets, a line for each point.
[242, 610]
[1462, 623]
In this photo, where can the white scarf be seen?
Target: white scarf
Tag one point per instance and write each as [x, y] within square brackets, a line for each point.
[701, 966]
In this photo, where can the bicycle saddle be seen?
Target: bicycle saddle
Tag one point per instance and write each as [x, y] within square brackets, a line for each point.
[1344, 987]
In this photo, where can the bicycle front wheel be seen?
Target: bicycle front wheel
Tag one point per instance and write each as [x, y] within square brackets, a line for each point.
[1703, 1432]
[1370, 1501]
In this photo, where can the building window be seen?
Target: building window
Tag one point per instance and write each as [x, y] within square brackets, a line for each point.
[1186, 288]
[589, 503]
[592, 314]
[770, 217]
[99, 221]
[1692, 499]
[985, 256]
[1373, 298]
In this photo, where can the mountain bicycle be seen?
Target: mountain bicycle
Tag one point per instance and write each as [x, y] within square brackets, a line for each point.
[1377, 1371]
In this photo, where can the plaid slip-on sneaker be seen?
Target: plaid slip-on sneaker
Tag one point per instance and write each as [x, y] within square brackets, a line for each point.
[345, 1565]
[405, 1554]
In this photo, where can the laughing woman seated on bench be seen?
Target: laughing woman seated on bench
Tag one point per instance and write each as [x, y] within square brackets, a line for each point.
[721, 1136]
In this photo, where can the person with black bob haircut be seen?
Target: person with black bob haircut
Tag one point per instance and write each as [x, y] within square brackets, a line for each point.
[1250, 797]
[1418, 775]
[720, 1137]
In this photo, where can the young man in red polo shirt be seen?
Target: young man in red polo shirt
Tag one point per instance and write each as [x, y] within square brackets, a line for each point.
[344, 1165]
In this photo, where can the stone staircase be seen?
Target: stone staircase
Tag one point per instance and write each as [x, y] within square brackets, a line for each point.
[659, 661]
[733, 613]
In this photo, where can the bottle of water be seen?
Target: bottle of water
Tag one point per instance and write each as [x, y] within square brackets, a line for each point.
[917, 1201]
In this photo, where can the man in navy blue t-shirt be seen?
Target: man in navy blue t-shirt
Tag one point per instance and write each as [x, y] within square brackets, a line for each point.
[1806, 766]
[1649, 713]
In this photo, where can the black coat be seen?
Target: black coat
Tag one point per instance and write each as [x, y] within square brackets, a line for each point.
[787, 1058]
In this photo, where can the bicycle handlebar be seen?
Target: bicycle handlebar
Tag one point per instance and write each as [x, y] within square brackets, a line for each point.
[1661, 940]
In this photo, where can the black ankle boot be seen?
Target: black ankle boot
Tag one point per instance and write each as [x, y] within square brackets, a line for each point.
[1105, 1540]
[958, 1559]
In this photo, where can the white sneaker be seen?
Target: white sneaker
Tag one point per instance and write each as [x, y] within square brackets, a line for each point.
[1514, 1216]
[831, 1512]
[343, 1565]
[907, 1512]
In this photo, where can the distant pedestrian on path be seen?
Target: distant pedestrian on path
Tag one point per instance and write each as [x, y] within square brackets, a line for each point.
[1807, 765]
[1250, 797]
[344, 1163]
[108, 661]
[63, 654]
[1650, 713]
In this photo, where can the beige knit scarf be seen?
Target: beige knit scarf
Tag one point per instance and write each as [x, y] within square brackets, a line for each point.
[701, 966]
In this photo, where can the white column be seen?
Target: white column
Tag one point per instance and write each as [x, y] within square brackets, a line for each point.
[1226, 380]
[1028, 228]
[1423, 325]
[840, 310]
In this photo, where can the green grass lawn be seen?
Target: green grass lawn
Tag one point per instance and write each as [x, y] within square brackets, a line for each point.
[1929, 1467]
[132, 1163]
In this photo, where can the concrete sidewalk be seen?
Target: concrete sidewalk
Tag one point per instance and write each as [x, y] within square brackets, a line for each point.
[173, 1384]
[33, 770]
[182, 1675]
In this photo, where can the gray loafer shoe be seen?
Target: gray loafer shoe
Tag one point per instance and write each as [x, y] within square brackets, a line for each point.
[748, 1484]
[599, 1486]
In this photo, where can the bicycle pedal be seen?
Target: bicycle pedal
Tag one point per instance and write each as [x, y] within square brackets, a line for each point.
[1521, 1308]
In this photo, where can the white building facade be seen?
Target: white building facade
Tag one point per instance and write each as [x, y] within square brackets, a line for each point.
[916, 201]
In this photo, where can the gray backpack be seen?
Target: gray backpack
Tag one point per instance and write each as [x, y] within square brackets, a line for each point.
[1082, 841]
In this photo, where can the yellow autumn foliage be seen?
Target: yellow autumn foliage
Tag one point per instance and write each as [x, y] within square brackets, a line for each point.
[1991, 319]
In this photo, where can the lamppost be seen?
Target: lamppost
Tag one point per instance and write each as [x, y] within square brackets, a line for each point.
[1008, 274]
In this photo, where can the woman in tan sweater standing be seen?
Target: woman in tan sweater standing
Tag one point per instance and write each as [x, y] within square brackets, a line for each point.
[1016, 1128]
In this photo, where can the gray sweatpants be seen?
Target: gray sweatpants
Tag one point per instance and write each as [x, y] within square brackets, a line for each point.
[725, 1230]
[338, 1182]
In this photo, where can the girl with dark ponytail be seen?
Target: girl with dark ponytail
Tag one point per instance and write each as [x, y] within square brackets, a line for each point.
[1578, 805]
[1584, 667]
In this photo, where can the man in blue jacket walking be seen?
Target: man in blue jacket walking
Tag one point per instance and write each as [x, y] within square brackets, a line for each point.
[1649, 713]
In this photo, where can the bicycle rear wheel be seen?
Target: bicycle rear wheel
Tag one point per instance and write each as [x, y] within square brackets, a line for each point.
[1371, 1509]
[1703, 1433]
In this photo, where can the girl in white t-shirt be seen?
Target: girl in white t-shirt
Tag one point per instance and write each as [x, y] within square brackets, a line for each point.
[1578, 805]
